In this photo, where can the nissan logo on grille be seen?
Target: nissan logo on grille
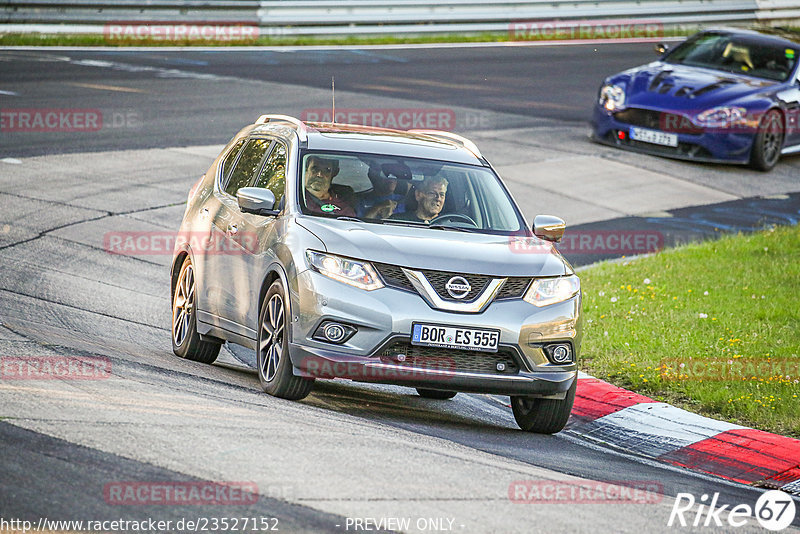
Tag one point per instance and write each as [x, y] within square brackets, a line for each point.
[458, 287]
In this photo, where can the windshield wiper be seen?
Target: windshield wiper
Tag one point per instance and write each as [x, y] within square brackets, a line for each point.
[400, 222]
[448, 227]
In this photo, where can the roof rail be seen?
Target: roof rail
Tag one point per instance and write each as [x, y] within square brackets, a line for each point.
[302, 130]
[463, 141]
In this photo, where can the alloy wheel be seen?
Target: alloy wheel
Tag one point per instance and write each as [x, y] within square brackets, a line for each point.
[271, 341]
[183, 305]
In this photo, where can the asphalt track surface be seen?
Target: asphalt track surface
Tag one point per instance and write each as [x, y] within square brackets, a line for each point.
[348, 450]
[198, 98]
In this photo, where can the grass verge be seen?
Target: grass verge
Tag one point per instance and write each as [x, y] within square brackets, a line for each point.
[712, 327]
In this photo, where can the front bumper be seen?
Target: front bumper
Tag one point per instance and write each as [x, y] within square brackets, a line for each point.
[383, 320]
[321, 363]
[694, 143]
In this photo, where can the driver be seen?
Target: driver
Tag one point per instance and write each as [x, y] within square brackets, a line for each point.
[430, 196]
[318, 195]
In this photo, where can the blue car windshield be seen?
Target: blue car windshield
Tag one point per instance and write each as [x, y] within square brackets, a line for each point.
[736, 54]
[405, 191]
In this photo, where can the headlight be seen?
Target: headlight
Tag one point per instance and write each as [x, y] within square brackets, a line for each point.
[612, 97]
[358, 274]
[545, 291]
[721, 117]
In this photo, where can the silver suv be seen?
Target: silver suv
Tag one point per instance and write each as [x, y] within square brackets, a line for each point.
[342, 251]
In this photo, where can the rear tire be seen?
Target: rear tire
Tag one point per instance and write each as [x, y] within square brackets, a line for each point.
[768, 143]
[436, 394]
[543, 416]
[186, 342]
[272, 350]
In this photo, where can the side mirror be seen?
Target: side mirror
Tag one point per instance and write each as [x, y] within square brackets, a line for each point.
[549, 228]
[256, 200]
[661, 48]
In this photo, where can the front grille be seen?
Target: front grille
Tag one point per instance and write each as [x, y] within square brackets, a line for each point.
[657, 120]
[439, 279]
[393, 276]
[464, 361]
[514, 288]
[688, 150]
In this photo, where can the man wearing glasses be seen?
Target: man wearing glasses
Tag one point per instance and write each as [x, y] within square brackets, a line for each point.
[318, 195]
[430, 195]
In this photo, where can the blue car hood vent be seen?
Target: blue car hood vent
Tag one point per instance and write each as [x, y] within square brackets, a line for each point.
[713, 87]
[663, 83]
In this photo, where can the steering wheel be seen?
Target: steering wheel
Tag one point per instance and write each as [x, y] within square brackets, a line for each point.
[455, 217]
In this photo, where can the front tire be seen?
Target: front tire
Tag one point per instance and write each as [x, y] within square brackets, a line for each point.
[272, 351]
[186, 342]
[543, 416]
[436, 394]
[768, 143]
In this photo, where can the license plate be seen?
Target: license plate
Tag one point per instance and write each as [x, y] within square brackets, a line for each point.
[454, 337]
[653, 136]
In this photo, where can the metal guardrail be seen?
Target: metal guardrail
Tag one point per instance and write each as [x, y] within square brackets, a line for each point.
[359, 17]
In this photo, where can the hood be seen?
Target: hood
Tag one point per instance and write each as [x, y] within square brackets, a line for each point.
[441, 250]
[673, 87]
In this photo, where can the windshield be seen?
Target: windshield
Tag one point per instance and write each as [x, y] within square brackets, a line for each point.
[736, 54]
[406, 191]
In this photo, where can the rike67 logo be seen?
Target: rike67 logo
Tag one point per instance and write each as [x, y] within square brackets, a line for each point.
[774, 510]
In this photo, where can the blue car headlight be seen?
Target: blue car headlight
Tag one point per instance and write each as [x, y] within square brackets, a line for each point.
[722, 117]
[612, 97]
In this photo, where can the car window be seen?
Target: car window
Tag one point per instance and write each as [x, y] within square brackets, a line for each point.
[736, 54]
[248, 164]
[399, 190]
[231, 159]
[273, 173]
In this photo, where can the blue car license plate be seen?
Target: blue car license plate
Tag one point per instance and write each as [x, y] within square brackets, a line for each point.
[653, 136]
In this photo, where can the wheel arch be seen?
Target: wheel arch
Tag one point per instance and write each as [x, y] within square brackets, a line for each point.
[276, 272]
[177, 263]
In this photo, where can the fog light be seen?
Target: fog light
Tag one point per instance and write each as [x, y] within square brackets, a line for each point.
[501, 366]
[333, 332]
[560, 353]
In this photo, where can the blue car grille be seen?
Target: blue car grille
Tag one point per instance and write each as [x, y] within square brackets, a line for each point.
[657, 120]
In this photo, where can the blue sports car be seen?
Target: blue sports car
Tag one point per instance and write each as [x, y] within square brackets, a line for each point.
[730, 96]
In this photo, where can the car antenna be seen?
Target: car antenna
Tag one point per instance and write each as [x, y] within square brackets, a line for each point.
[333, 99]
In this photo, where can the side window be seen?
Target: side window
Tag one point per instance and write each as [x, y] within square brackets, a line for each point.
[247, 165]
[231, 159]
[273, 175]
